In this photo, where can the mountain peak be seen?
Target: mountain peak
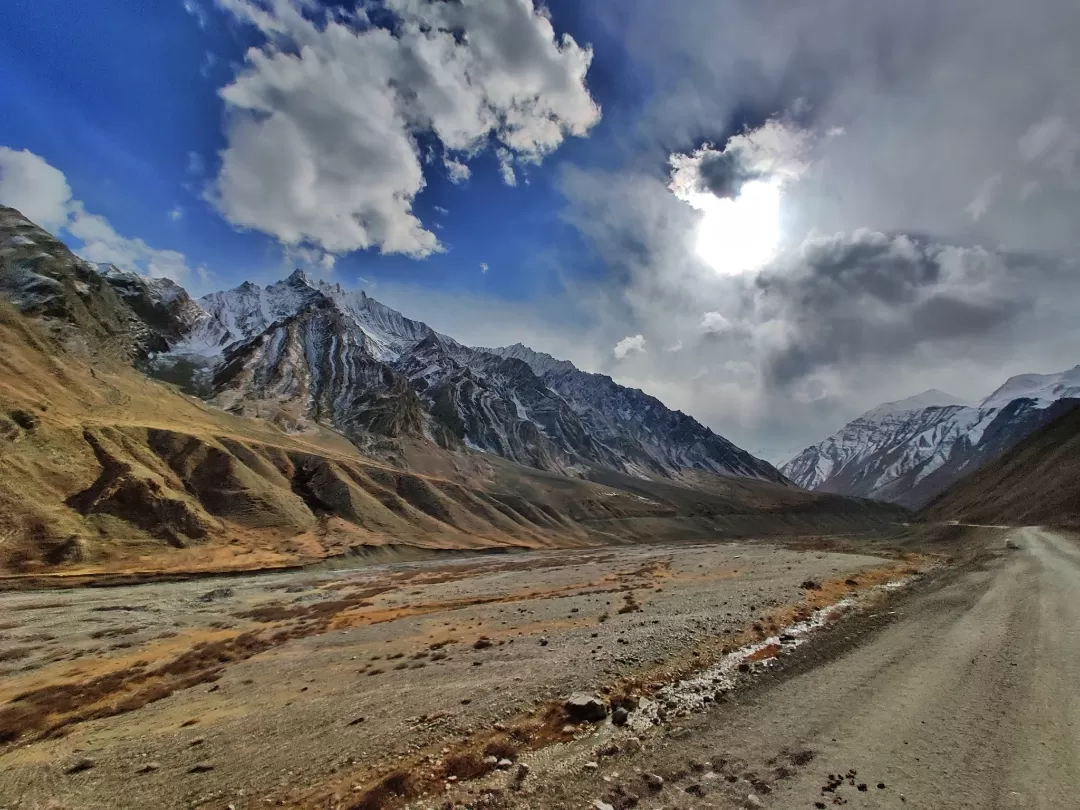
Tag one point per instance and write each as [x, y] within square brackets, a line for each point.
[297, 277]
[931, 398]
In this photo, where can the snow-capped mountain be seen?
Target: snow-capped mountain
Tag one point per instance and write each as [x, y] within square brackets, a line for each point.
[302, 351]
[909, 451]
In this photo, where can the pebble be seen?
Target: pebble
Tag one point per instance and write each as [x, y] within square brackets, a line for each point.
[753, 801]
[653, 781]
[149, 767]
[201, 767]
[592, 766]
[620, 716]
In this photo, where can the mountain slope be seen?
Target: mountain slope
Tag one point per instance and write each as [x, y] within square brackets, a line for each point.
[302, 350]
[649, 436]
[909, 455]
[1037, 481]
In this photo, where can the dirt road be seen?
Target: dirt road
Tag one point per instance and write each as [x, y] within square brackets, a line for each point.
[968, 697]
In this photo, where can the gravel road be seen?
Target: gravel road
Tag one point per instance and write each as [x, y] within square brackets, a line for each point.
[967, 697]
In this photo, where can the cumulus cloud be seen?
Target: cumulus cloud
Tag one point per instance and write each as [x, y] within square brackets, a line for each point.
[713, 323]
[629, 345]
[176, 214]
[41, 192]
[776, 151]
[483, 267]
[847, 299]
[325, 115]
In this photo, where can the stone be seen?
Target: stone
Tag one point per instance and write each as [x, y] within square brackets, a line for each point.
[491, 761]
[543, 642]
[653, 782]
[588, 708]
[620, 716]
[149, 767]
[201, 767]
[80, 765]
[592, 766]
[504, 764]
[753, 801]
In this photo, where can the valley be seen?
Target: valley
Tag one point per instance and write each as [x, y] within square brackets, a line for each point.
[310, 688]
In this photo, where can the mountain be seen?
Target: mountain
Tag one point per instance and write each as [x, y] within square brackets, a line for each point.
[908, 452]
[303, 351]
[1036, 481]
[366, 432]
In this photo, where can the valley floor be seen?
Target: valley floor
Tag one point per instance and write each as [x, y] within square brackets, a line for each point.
[307, 688]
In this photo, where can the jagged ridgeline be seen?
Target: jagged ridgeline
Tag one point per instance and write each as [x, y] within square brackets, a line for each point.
[303, 420]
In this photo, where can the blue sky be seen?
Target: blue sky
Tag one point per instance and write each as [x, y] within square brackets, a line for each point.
[913, 227]
[120, 96]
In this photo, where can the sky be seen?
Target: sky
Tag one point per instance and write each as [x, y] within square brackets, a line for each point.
[770, 215]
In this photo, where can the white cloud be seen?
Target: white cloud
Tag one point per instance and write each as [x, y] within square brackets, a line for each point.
[984, 198]
[176, 214]
[41, 192]
[506, 166]
[195, 163]
[38, 190]
[483, 267]
[1053, 144]
[713, 323]
[324, 116]
[629, 345]
[196, 11]
[457, 171]
[440, 210]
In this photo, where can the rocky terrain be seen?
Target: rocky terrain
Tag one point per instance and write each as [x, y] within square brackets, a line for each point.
[909, 452]
[315, 689]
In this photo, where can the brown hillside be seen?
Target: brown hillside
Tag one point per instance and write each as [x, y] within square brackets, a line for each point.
[1035, 482]
[103, 469]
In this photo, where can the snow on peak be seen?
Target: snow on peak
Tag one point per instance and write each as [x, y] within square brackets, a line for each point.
[1043, 388]
[540, 362]
[932, 398]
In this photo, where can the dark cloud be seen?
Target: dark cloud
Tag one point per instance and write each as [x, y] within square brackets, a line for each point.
[724, 174]
[850, 300]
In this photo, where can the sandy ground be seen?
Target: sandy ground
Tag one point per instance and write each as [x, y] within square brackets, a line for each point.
[296, 688]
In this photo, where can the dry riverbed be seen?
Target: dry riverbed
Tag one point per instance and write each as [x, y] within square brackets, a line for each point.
[350, 688]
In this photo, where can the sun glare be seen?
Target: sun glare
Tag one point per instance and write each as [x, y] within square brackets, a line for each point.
[742, 234]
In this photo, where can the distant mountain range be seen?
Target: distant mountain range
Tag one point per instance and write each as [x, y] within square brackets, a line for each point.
[302, 352]
[909, 452]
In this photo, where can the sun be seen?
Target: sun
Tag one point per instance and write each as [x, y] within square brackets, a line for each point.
[741, 234]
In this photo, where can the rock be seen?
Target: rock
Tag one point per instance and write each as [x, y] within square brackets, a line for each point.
[80, 765]
[216, 595]
[201, 767]
[620, 716]
[599, 805]
[149, 767]
[810, 585]
[569, 729]
[24, 419]
[753, 801]
[653, 782]
[589, 708]
[592, 766]
[491, 761]
[522, 770]
[543, 642]
[504, 764]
